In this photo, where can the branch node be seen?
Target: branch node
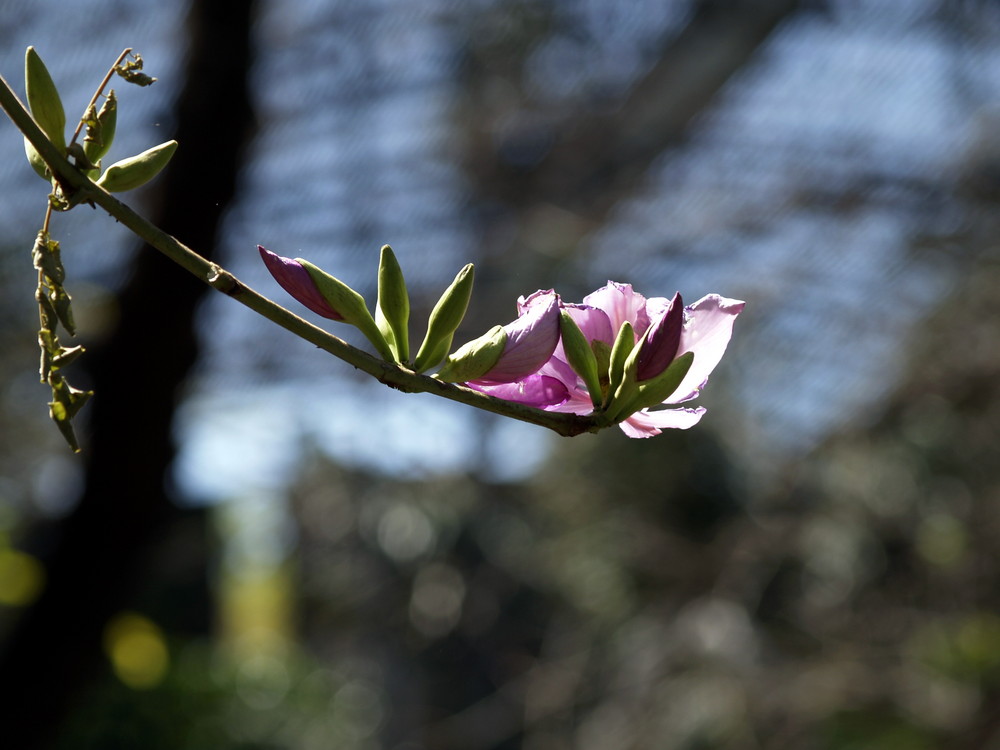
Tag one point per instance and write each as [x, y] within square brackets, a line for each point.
[220, 279]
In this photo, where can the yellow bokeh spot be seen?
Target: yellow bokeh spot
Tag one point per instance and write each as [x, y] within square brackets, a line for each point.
[137, 650]
[21, 578]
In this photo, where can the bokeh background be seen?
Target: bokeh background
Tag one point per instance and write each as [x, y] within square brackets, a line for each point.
[257, 549]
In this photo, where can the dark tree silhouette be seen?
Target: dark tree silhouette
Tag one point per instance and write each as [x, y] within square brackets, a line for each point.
[97, 558]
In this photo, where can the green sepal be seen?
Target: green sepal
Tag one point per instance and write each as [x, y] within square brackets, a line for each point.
[581, 356]
[655, 391]
[101, 127]
[623, 346]
[444, 319]
[137, 170]
[626, 388]
[43, 99]
[350, 306]
[475, 358]
[392, 310]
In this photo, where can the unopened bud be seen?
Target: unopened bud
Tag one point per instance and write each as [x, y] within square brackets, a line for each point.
[392, 310]
[36, 161]
[43, 99]
[445, 319]
[137, 170]
[350, 305]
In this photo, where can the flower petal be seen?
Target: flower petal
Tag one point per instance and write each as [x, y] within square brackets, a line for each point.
[621, 304]
[594, 322]
[645, 423]
[294, 279]
[707, 331]
[540, 391]
[531, 339]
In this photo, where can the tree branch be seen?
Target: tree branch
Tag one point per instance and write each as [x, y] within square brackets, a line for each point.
[80, 189]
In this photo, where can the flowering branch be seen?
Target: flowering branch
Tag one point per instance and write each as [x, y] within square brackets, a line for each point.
[79, 189]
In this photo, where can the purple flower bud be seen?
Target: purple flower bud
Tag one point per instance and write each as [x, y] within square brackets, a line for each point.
[531, 340]
[295, 280]
[662, 339]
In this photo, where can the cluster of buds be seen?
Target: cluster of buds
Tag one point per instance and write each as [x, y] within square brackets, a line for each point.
[46, 108]
[55, 309]
[617, 355]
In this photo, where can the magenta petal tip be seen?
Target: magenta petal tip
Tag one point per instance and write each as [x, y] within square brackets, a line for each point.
[295, 279]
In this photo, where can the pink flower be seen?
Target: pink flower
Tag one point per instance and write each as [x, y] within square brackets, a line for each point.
[703, 328]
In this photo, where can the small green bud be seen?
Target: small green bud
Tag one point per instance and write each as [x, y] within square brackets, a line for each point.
[392, 310]
[43, 99]
[602, 353]
[36, 161]
[620, 396]
[101, 129]
[474, 359]
[350, 305]
[623, 346]
[445, 318]
[581, 356]
[137, 170]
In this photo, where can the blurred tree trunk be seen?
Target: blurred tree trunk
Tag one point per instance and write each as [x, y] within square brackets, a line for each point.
[98, 557]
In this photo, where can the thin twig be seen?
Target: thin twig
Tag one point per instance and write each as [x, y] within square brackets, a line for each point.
[97, 94]
[80, 189]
